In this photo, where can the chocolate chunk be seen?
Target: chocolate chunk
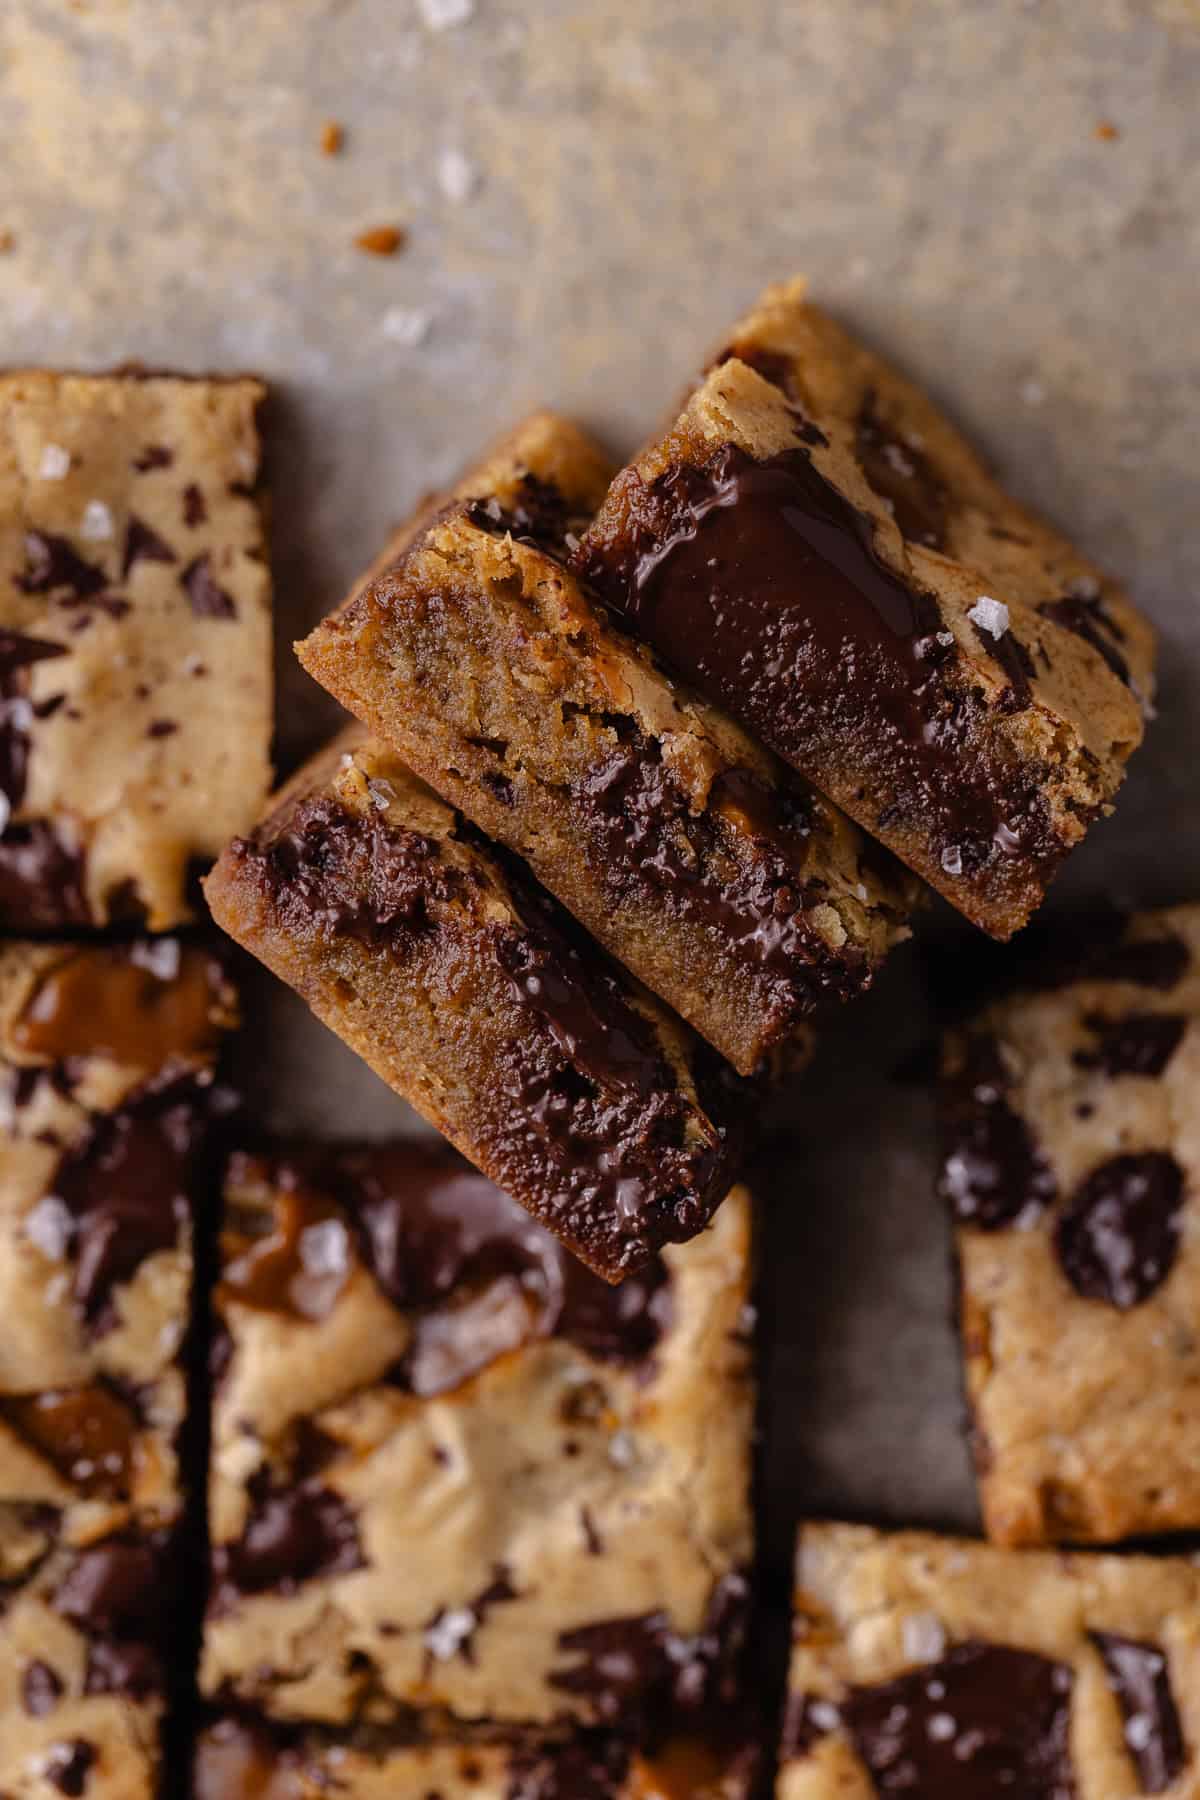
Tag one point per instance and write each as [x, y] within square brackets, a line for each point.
[290, 1538]
[735, 867]
[634, 1670]
[1118, 1237]
[1134, 1044]
[903, 475]
[117, 1589]
[1159, 962]
[52, 564]
[41, 1689]
[987, 1721]
[1015, 660]
[154, 456]
[87, 1434]
[477, 1272]
[992, 1172]
[1087, 618]
[124, 1189]
[68, 1766]
[761, 584]
[141, 1005]
[539, 515]
[195, 508]
[143, 545]
[592, 1768]
[130, 1669]
[41, 879]
[354, 877]
[207, 599]
[17, 653]
[1138, 1675]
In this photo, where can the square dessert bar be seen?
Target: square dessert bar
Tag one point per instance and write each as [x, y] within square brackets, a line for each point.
[1071, 1166]
[454, 1473]
[106, 1060]
[238, 1760]
[440, 961]
[937, 1668]
[702, 863]
[818, 550]
[135, 641]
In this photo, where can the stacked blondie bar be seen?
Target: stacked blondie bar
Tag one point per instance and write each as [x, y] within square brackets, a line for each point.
[434, 1458]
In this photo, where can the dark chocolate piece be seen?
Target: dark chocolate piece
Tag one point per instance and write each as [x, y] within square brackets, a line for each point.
[592, 1768]
[1118, 1236]
[124, 1190]
[290, 1538]
[761, 584]
[68, 1766]
[41, 880]
[1138, 1675]
[987, 1722]
[52, 564]
[902, 475]
[195, 507]
[154, 456]
[17, 653]
[539, 515]
[206, 597]
[143, 545]
[1134, 1044]
[991, 1169]
[446, 1244]
[1086, 617]
[117, 1589]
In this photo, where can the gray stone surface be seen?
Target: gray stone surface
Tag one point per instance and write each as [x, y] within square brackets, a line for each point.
[635, 174]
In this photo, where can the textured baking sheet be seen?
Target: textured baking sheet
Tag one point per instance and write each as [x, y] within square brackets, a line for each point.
[1005, 197]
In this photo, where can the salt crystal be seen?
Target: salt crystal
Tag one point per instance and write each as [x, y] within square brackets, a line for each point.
[407, 325]
[97, 521]
[622, 1451]
[1084, 587]
[1032, 392]
[440, 15]
[1139, 1730]
[861, 891]
[325, 1248]
[990, 615]
[952, 860]
[55, 464]
[824, 1715]
[945, 638]
[457, 176]
[941, 1727]
[570, 540]
[447, 1635]
[48, 1227]
[923, 1637]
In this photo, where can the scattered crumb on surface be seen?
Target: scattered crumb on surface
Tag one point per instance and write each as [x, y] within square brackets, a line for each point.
[8, 241]
[333, 137]
[381, 240]
[407, 325]
[1107, 130]
[440, 15]
[457, 176]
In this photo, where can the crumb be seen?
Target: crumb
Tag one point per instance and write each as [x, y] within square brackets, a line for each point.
[332, 137]
[8, 241]
[1107, 130]
[458, 177]
[381, 240]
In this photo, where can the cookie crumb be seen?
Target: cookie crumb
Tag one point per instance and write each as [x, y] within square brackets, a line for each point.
[333, 137]
[8, 241]
[1107, 131]
[381, 240]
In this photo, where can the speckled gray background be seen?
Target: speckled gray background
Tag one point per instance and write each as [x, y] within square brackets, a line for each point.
[591, 192]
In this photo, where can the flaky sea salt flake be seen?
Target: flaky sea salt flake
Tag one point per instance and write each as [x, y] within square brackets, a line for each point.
[55, 464]
[990, 615]
[441, 15]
